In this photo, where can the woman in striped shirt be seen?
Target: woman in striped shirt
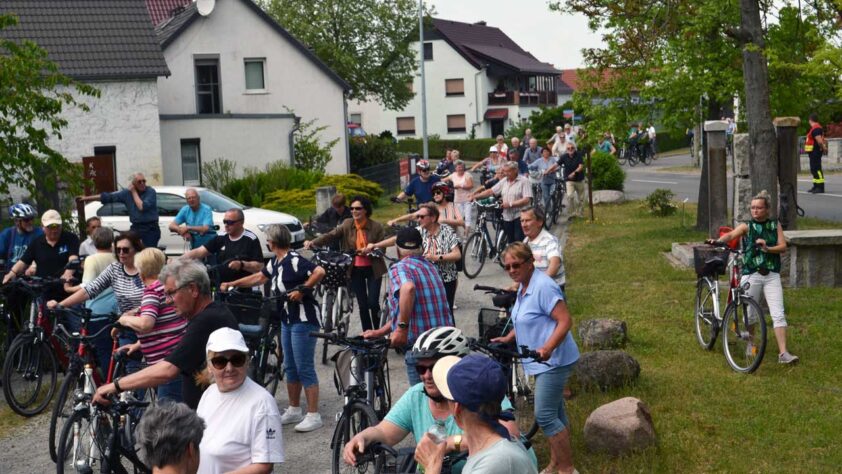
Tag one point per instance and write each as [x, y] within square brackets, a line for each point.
[157, 326]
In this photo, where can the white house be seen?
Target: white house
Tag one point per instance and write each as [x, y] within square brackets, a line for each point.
[239, 84]
[476, 78]
[111, 46]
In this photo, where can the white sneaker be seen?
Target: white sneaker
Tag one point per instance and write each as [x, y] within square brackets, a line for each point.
[311, 421]
[292, 415]
[787, 358]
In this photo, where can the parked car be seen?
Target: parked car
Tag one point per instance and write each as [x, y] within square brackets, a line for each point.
[171, 200]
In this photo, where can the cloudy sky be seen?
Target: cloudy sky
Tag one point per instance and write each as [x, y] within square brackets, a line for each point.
[549, 36]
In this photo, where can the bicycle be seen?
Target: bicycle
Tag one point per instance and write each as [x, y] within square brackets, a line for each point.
[97, 438]
[362, 377]
[337, 303]
[12, 324]
[378, 454]
[479, 244]
[557, 200]
[83, 371]
[35, 355]
[744, 323]
[385, 306]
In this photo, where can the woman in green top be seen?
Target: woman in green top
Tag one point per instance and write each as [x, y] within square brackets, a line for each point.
[763, 243]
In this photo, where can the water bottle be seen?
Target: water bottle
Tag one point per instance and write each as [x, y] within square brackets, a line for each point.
[89, 380]
[438, 432]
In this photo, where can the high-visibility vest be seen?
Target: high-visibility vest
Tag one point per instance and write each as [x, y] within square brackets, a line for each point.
[808, 145]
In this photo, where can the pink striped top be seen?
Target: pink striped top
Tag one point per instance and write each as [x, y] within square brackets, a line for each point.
[169, 327]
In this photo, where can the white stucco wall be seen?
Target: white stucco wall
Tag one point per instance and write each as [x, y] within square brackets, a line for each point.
[248, 142]
[447, 63]
[234, 32]
[125, 116]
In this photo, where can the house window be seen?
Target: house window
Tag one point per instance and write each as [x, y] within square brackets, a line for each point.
[454, 87]
[355, 118]
[455, 123]
[428, 51]
[208, 93]
[191, 163]
[254, 74]
[406, 125]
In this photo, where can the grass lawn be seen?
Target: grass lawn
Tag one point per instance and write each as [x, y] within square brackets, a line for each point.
[707, 418]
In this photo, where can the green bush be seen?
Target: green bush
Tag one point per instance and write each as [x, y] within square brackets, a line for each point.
[218, 173]
[302, 202]
[371, 151]
[353, 185]
[468, 149]
[606, 172]
[253, 187]
[660, 202]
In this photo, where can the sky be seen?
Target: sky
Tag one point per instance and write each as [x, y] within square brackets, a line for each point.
[550, 36]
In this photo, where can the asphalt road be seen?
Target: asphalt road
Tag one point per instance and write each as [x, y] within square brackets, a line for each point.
[642, 180]
[24, 449]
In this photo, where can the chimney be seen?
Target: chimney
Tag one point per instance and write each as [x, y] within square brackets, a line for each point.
[480, 23]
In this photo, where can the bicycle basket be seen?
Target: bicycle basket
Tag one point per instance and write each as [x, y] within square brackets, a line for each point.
[709, 260]
[492, 323]
[336, 268]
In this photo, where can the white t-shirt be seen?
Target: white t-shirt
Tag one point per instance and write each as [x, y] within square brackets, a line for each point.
[243, 427]
[544, 247]
[651, 132]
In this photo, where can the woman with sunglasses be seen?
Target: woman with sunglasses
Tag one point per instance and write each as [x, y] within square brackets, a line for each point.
[542, 322]
[243, 425]
[289, 272]
[366, 272]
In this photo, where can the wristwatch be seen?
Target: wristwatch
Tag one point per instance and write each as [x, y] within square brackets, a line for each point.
[402, 325]
[117, 385]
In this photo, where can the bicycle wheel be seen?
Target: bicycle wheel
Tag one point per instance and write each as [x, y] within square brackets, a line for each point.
[29, 375]
[633, 158]
[622, 157]
[646, 158]
[82, 442]
[356, 417]
[502, 242]
[744, 335]
[329, 308]
[706, 313]
[272, 364]
[382, 392]
[523, 388]
[473, 258]
[63, 407]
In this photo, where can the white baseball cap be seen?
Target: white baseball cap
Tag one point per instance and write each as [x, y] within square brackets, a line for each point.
[226, 339]
[493, 149]
[51, 217]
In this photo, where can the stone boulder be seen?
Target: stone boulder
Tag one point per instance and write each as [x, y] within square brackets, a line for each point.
[608, 196]
[604, 370]
[603, 334]
[620, 427]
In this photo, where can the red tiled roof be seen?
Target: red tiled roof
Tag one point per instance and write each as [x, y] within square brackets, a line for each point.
[496, 114]
[570, 81]
[160, 10]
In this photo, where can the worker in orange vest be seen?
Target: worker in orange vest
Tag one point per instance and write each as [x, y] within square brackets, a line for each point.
[815, 146]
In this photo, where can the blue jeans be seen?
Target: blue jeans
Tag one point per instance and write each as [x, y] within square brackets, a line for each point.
[170, 390]
[546, 194]
[149, 233]
[299, 353]
[513, 230]
[549, 399]
[409, 358]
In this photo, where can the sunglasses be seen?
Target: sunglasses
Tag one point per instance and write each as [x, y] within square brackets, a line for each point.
[423, 369]
[54, 226]
[141, 181]
[513, 266]
[237, 360]
[123, 249]
[26, 219]
[356, 208]
[421, 216]
[438, 192]
[230, 222]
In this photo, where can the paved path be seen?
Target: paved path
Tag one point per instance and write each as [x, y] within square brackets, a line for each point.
[24, 450]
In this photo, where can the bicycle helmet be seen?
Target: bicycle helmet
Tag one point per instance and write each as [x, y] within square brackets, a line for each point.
[22, 211]
[423, 165]
[440, 342]
[442, 187]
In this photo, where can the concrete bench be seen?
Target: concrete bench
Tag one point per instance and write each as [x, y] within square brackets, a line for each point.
[813, 258]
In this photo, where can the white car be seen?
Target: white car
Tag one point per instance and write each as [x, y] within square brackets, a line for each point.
[171, 200]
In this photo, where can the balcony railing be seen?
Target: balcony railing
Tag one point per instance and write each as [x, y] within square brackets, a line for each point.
[522, 98]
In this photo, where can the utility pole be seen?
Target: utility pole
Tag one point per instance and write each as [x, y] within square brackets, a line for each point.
[426, 155]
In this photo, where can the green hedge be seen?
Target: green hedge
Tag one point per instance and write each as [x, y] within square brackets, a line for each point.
[606, 172]
[302, 202]
[253, 187]
[371, 151]
[468, 149]
[671, 140]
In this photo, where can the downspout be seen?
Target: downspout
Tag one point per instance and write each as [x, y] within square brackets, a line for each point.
[296, 125]
[476, 96]
[345, 133]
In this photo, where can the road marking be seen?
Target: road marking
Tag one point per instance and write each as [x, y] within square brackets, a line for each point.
[822, 194]
[653, 181]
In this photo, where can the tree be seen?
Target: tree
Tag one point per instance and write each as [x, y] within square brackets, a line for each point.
[366, 42]
[32, 95]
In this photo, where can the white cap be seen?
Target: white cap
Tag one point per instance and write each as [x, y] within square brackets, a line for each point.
[226, 339]
[51, 217]
[493, 149]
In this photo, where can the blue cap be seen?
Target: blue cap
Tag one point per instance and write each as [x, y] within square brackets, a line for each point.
[471, 381]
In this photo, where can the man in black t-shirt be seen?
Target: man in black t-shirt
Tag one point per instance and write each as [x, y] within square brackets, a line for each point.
[187, 286]
[574, 169]
[50, 253]
[237, 243]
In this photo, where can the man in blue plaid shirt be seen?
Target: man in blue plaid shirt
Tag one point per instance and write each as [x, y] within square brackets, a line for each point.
[417, 299]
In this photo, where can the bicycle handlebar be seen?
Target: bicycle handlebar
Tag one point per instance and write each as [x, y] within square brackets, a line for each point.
[354, 341]
[491, 289]
[498, 348]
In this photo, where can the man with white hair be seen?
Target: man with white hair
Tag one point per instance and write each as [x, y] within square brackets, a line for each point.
[141, 201]
[194, 222]
[533, 153]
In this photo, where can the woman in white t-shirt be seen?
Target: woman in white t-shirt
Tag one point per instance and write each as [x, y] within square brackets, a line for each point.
[243, 431]
[463, 184]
